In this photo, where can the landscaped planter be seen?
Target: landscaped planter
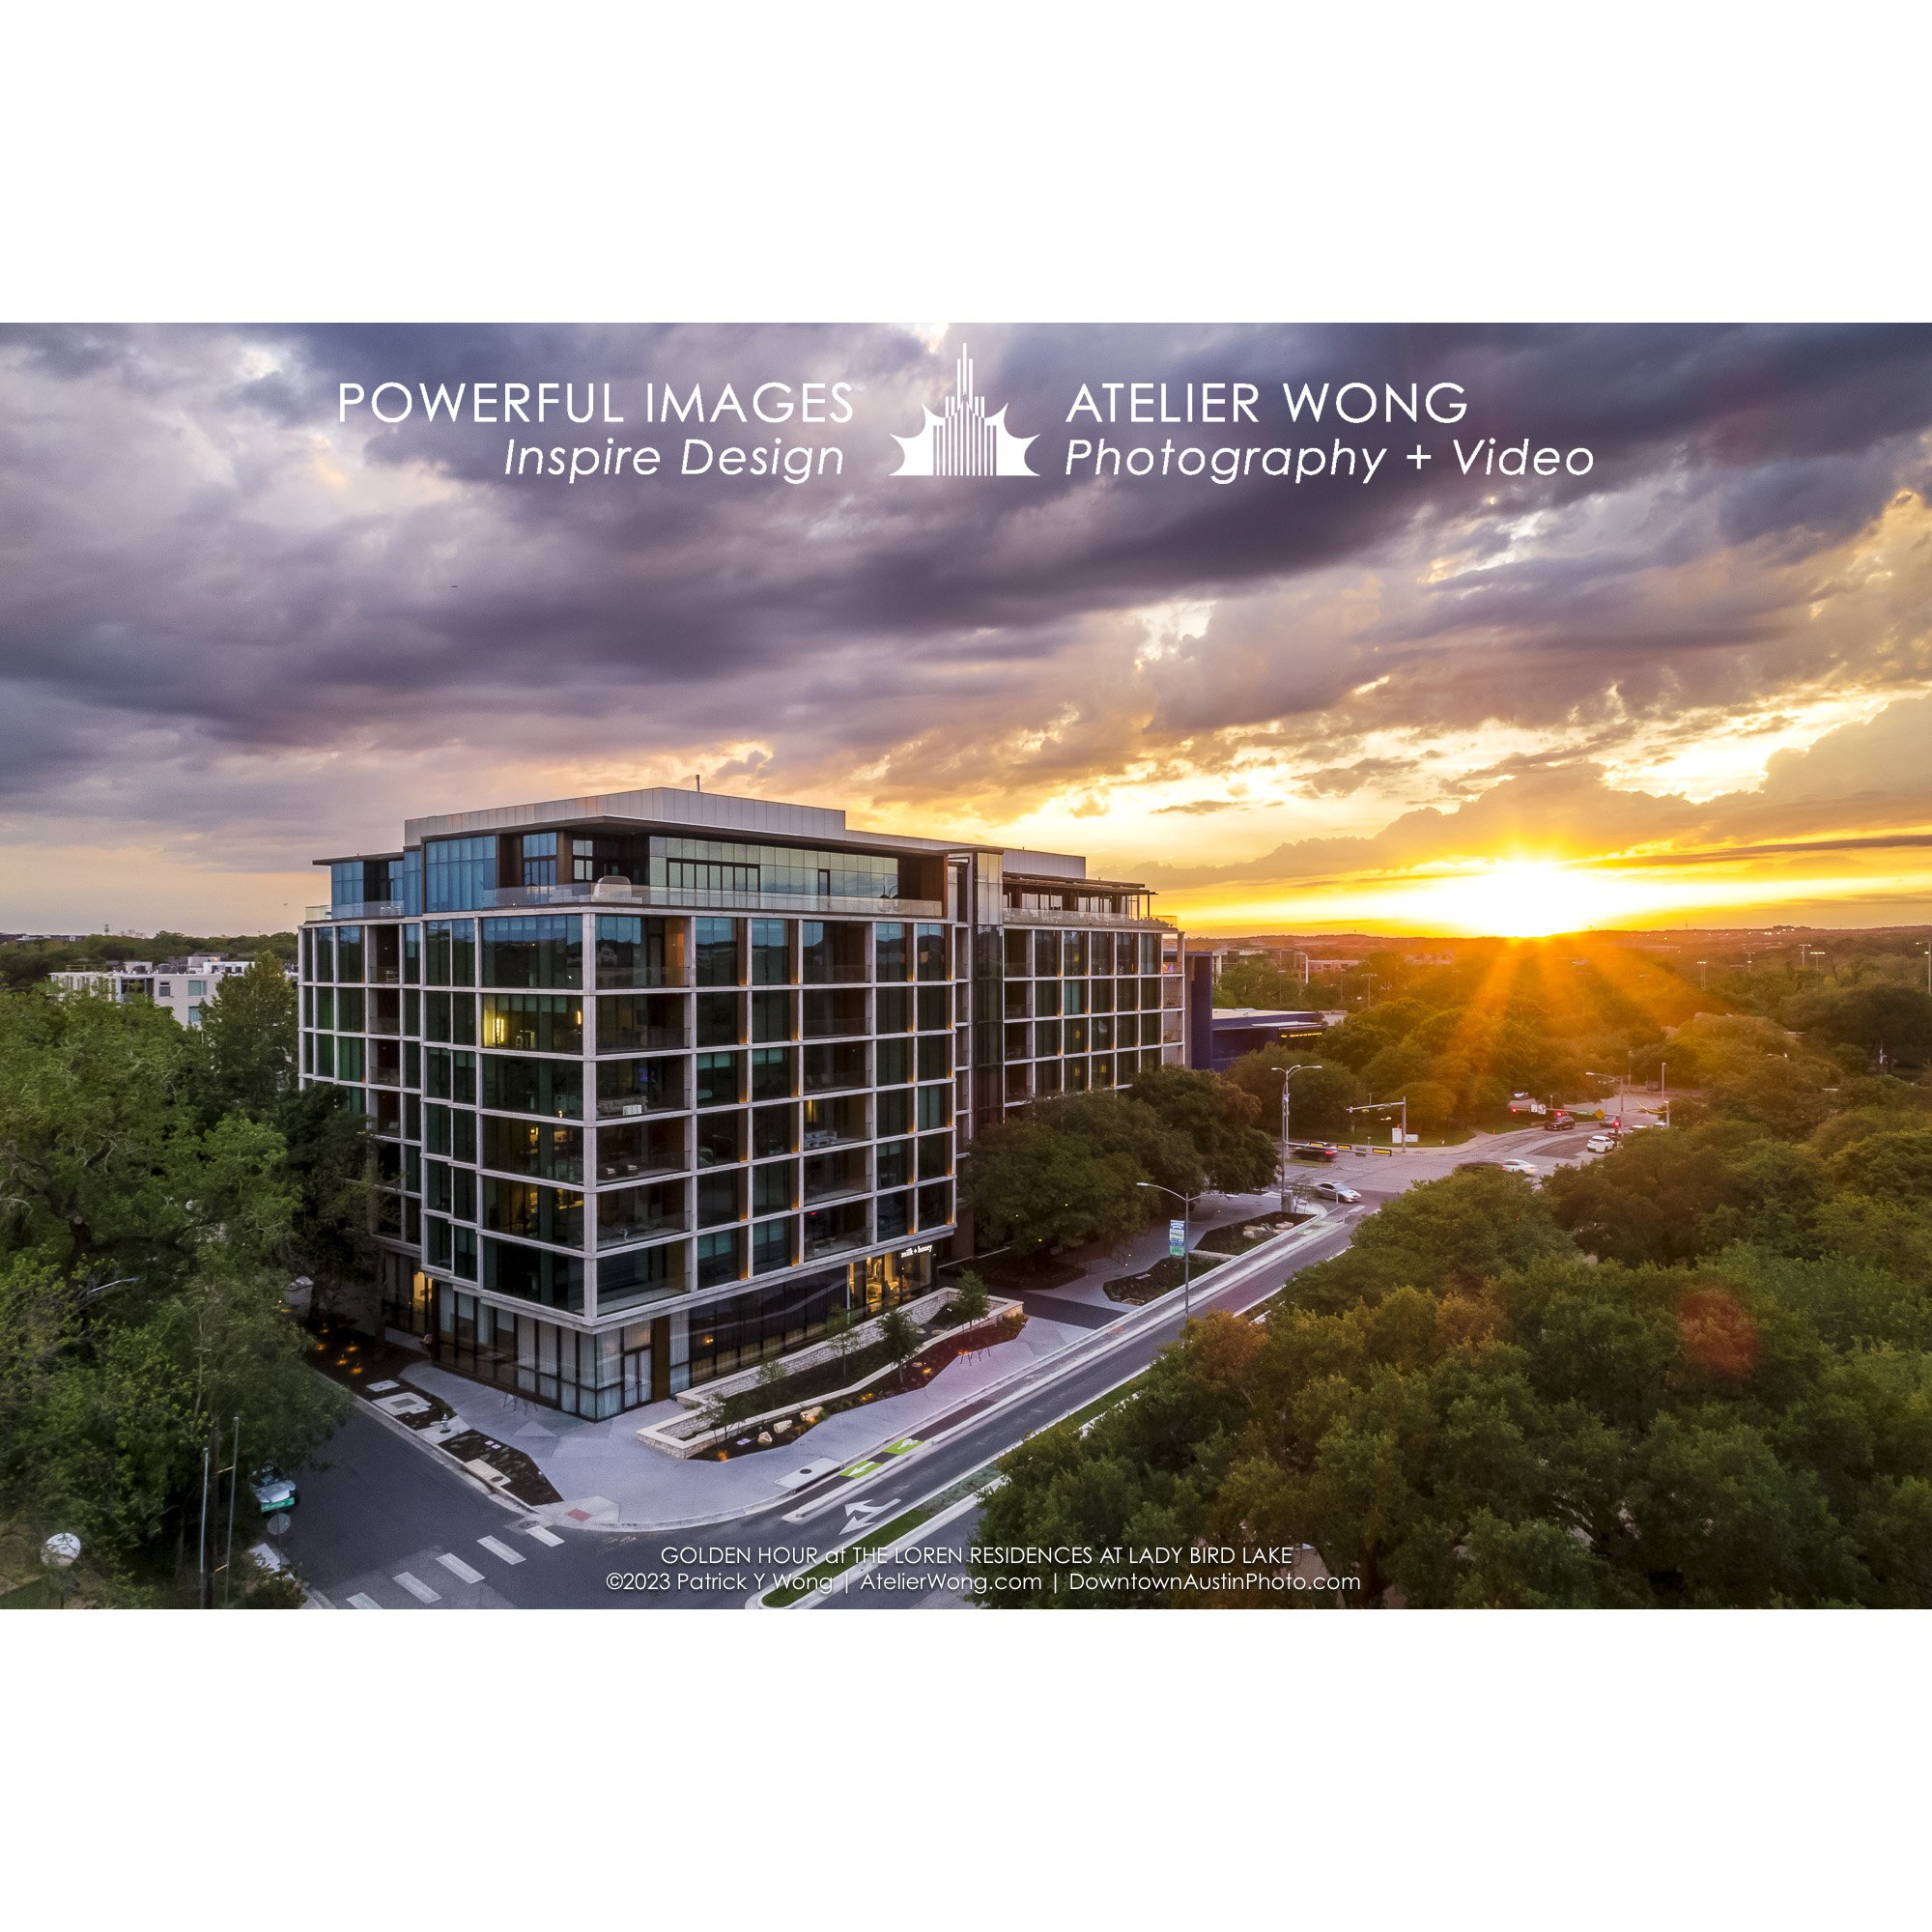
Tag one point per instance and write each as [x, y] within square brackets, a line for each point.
[695, 1434]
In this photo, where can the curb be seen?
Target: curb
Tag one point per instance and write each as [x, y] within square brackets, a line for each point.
[1116, 1334]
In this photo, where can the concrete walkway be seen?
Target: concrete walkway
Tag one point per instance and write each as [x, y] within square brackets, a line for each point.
[607, 1476]
[1210, 1212]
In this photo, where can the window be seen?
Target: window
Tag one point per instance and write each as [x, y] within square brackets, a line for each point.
[929, 951]
[832, 952]
[632, 953]
[539, 951]
[460, 874]
[547, 1086]
[772, 1246]
[774, 1015]
[889, 951]
[532, 1022]
[533, 1148]
[711, 875]
[721, 1020]
[720, 1258]
[539, 857]
[627, 1087]
[717, 952]
[719, 1080]
[771, 954]
[773, 1072]
[449, 953]
[775, 1187]
[721, 1197]
[531, 1274]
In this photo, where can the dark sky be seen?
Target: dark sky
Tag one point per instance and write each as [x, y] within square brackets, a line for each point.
[235, 634]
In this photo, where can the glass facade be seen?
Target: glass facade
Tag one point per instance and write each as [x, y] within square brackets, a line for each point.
[625, 1151]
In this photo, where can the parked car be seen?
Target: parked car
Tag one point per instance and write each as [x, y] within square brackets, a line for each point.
[273, 1491]
[1335, 1190]
[1520, 1166]
[1600, 1143]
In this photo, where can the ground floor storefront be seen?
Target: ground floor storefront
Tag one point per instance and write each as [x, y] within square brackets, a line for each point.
[598, 1374]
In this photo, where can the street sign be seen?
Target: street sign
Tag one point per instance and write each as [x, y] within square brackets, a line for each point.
[1176, 1238]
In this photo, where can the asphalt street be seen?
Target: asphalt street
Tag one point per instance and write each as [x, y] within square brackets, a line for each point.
[385, 1525]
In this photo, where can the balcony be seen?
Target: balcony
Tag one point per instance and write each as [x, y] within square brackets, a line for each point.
[1043, 916]
[697, 899]
[628, 1231]
[644, 1039]
[633, 1107]
[356, 909]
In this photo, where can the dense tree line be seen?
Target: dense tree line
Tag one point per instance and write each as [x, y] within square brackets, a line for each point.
[159, 1187]
[1697, 1372]
[22, 963]
[1069, 1173]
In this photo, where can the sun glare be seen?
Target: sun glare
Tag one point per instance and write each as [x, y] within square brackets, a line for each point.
[1527, 899]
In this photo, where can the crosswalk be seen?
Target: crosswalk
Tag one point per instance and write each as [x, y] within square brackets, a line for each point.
[414, 1593]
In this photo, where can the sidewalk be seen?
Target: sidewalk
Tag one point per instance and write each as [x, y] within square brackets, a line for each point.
[602, 1470]
[1210, 1212]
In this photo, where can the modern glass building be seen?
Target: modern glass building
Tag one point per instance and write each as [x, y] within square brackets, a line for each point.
[658, 1081]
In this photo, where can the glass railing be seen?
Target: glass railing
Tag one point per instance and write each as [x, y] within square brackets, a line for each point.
[646, 1039]
[646, 1228]
[700, 899]
[834, 1244]
[633, 1106]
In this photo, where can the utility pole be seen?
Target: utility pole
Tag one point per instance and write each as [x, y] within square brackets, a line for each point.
[233, 1484]
[201, 1560]
[1288, 1074]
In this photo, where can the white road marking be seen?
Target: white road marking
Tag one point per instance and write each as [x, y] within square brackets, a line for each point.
[359, 1602]
[417, 1588]
[502, 1549]
[548, 1538]
[456, 1567]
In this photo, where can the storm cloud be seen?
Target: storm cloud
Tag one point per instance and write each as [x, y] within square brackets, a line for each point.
[235, 631]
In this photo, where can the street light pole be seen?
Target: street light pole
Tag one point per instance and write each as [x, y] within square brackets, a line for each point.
[1187, 1202]
[1288, 1074]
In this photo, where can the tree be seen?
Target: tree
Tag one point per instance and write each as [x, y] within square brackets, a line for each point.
[842, 1337]
[1041, 1190]
[1115, 1123]
[969, 1299]
[327, 1164]
[141, 1305]
[248, 1040]
[899, 1336]
[1324, 1089]
[1218, 1117]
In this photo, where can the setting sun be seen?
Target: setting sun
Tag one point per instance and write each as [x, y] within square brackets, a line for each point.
[1528, 898]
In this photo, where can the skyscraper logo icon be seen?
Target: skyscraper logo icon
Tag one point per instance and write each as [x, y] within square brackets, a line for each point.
[964, 442]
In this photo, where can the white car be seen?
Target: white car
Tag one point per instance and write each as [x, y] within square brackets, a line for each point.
[1520, 1167]
[1599, 1144]
[273, 1491]
[1334, 1190]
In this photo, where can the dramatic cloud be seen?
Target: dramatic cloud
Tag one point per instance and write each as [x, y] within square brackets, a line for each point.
[235, 632]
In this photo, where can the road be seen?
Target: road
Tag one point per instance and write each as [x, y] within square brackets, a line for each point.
[386, 1527]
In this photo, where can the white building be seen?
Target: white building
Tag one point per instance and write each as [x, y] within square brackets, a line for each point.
[184, 987]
